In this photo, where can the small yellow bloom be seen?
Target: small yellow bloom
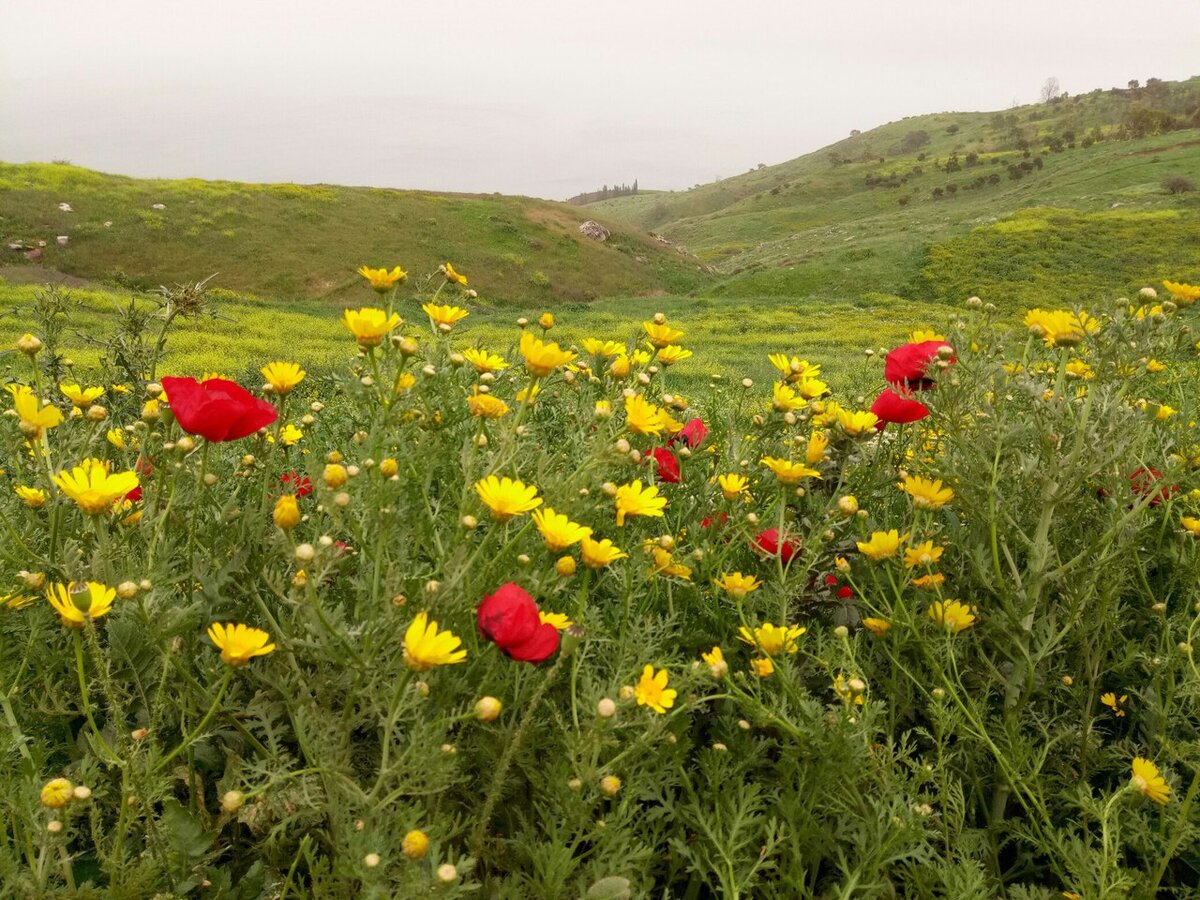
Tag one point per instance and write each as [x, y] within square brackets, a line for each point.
[542, 358]
[92, 488]
[952, 615]
[811, 388]
[239, 643]
[877, 627]
[664, 564]
[856, 424]
[930, 581]
[785, 399]
[381, 279]
[620, 367]
[451, 275]
[715, 660]
[921, 336]
[672, 354]
[426, 647]
[643, 417]
[404, 381]
[444, 316]
[737, 585]
[484, 362]
[599, 554]
[925, 493]
[1111, 700]
[1146, 778]
[57, 793]
[1077, 368]
[529, 394]
[415, 845]
[815, 450]
[636, 500]
[882, 545]
[283, 376]
[557, 529]
[662, 335]
[485, 406]
[652, 691]
[35, 418]
[287, 512]
[334, 475]
[732, 485]
[763, 668]
[1153, 366]
[789, 472]
[546, 321]
[1182, 294]
[1191, 525]
[34, 498]
[793, 368]
[565, 566]
[597, 347]
[79, 396]
[558, 620]
[923, 554]
[116, 437]
[773, 639]
[506, 497]
[369, 325]
[1061, 327]
[17, 601]
[78, 602]
[849, 690]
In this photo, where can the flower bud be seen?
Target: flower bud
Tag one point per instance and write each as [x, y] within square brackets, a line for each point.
[608, 489]
[470, 523]
[305, 553]
[938, 693]
[575, 784]
[447, 873]
[606, 708]
[371, 860]
[334, 475]
[610, 785]
[54, 826]
[57, 793]
[127, 590]
[388, 467]
[841, 631]
[565, 566]
[287, 512]
[415, 844]
[487, 709]
[231, 801]
[848, 505]
[29, 345]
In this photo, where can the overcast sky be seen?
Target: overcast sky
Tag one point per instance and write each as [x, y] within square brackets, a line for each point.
[540, 97]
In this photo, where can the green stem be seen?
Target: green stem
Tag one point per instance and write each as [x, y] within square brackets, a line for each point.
[212, 711]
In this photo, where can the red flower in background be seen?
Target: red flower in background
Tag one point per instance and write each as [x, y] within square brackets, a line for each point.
[217, 410]
[667, 465]
[768, 543]
[509, 619]
[908, 365]
[1143, 483]
[135, 495]
[297, 482]
[691, 434]
[720, 519]
[892, 407]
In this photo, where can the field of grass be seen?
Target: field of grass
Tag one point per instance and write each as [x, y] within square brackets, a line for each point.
[295, 242]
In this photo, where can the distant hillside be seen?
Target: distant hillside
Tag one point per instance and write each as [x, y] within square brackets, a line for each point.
[292, 241]
[894, 210]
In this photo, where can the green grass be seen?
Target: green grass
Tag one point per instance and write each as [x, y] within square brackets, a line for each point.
[295, 242]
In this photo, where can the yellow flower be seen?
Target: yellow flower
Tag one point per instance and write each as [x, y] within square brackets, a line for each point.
[1145, 778]
[92, 488]
[485, 406]
[81, 397]
[793, 368]
[715, 660]
[815, 450]
[426, 647]
[34, 498]
[652, 691]
[664, 564]
[789, 472]
[620, 367]
[597, 347]
[415, 844]
[662, 335]
[603, 409]
[35, 418]
[239, 643]
[369, 325]
[506, 497]
[849, 690]
[925, 493]
[565, 566]
[483, 362]
[444, 317]
[1060, 327]
[1191, 525]
[1182, 294]
[643, 417]
[404, 381]
[932, 580]
[116, 437]
[1077, 368]
[856, 424]
[542, 358]
[921, 336]
[451, 275]
[17, 601]
[287, 512]
[784, 399]
[1164, 412]
[811, 388]
[1111, 700]
[732, 485]
[923, 554]
[283, 376]
[877, 627]
[598, 554]
[825, 412]
[763, 668]
[529, 394]
[381, 279]
[672, 354]
[558, 620]
[558, 531]
[80, 601]
[737, 585]
[882, 545]
[952, 615]
[546, 321]
[1153, 366]
[635, 500]
[772, 639]
[57, 793]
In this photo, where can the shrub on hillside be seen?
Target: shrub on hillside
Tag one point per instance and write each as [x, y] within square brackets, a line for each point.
[1178, 184]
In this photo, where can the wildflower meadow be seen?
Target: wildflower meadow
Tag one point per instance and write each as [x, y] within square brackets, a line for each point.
[524, 620]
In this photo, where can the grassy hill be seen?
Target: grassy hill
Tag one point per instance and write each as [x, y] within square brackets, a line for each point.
[292, 242]
[1051, 202]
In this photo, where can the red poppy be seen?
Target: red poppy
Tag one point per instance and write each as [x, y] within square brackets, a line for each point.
[768, 543]
[845, 592]
[691, 434]
[135, 495]
[1143, 483]
[830, 580]
[509, 619]
[299, 483]
[143, 466]
[894, 407]
[909, 365]
[667, 465]
[217, 410]
[710, 520]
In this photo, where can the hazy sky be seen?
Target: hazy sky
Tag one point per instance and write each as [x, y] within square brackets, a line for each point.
[541, 97]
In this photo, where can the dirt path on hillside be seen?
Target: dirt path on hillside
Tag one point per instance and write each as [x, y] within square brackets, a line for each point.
[41, 275]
